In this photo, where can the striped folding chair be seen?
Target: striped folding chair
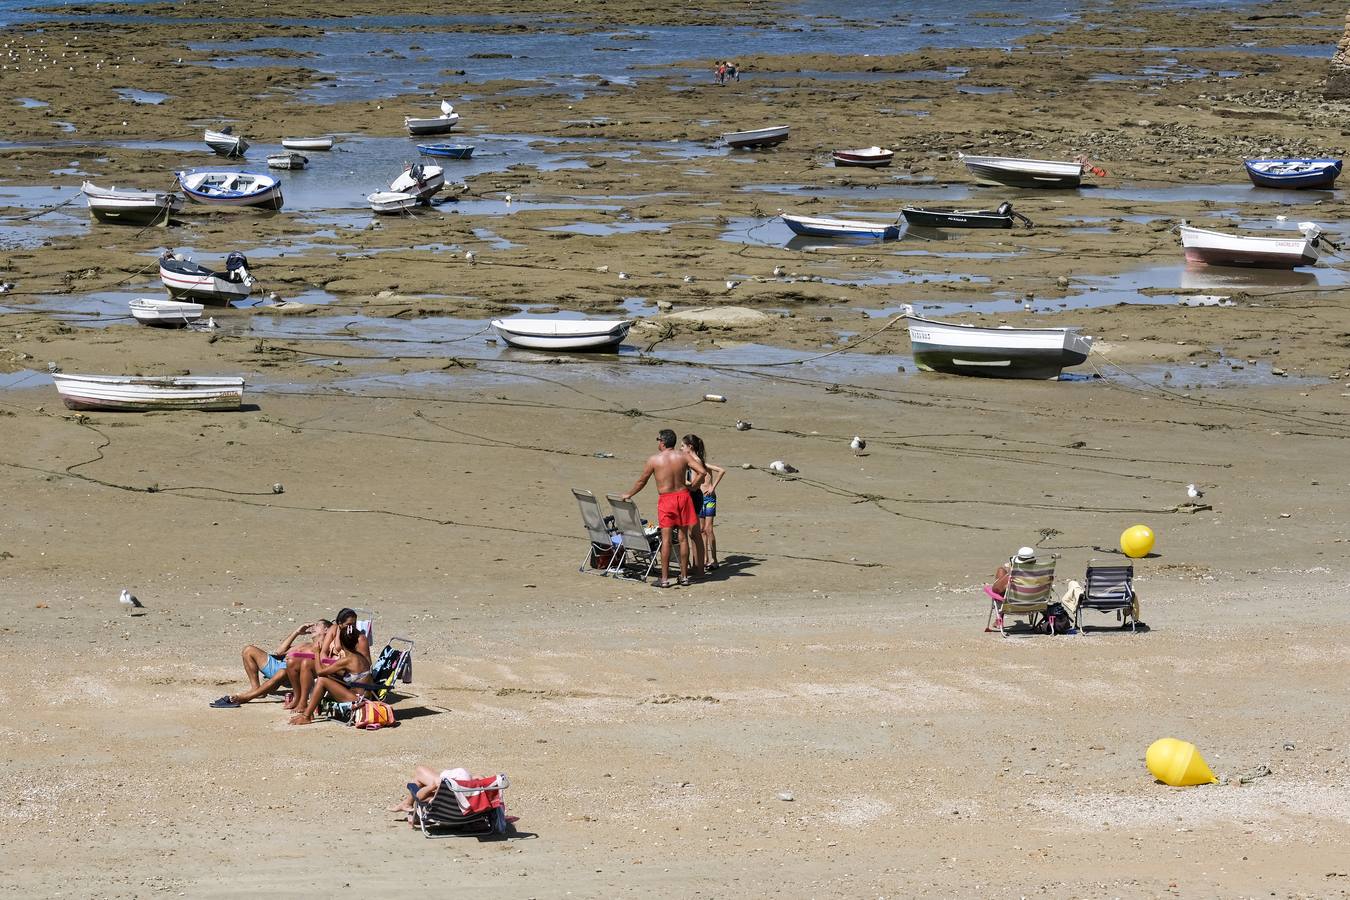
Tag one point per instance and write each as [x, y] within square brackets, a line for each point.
[464, 806]
[1030, 587]
[1109, 589]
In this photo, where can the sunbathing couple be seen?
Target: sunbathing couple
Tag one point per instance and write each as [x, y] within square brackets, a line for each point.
[335, 660]
[687, 484]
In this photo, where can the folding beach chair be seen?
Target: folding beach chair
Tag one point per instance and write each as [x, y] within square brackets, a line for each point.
[465, 806]
[638, 552]
[365, 622]
[1029, 594]
[391, 666]
[603, 551]
[1108, 589]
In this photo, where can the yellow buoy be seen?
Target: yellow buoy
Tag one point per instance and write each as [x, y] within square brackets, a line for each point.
[1136, 541]
[1178, 763]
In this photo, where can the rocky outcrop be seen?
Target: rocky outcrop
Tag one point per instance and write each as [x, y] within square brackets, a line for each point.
[1338, 79]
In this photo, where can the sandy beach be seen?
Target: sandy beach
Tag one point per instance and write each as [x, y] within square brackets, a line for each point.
[823, 716]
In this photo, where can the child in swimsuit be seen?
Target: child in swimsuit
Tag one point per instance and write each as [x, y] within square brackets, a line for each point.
[707, 505]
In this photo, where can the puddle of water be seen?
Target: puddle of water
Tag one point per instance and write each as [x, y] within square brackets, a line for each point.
[98, 309]
[605, 229]
[982, 89]
[894, 190]
[494, 240]
[1215, 193]
[147, 98]
[24, 378]
[30, 103]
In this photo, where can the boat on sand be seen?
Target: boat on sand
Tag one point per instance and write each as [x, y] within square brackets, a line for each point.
[136, 393]
[539, 333]
[816, 226]
[164, 313]
[1218, 248]
[1001, 352]
[130, 207]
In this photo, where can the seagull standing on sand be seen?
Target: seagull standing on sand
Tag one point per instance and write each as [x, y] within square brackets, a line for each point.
[1194, 492]
[858, 444]
[128, 599]
[742, 425]
[470, 256]
[781, 467]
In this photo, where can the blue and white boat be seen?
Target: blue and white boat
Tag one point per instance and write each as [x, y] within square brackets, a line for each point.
[230, 188]
[1293, 173]
[812, 226]
[446, 151]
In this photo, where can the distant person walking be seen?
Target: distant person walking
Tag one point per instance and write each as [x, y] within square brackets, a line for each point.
[721, 73]
[733, 71]
[674, 507]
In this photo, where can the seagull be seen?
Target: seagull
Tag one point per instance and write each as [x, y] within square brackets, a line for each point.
[1194, 492]
[624, 276]
[742, 425]
[129, 599]
[470, 256]
[278, 488]
[689, 279]
[779, 271]
[858, 443]
[211, 322]
[781, 467]
[732, 284]
[508, 199]
[6, 287]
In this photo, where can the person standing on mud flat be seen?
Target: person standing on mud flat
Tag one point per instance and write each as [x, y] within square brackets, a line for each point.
[674, 507]
[721, 73]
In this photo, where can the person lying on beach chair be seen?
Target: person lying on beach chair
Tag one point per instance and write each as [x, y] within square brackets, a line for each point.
[303, 665]
[267, 671]
[453, 800]
[337, 679]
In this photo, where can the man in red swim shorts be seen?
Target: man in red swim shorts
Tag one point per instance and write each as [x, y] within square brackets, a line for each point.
[674, 508]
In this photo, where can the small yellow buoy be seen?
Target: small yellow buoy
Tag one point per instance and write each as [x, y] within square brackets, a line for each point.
[1136, 541]
[1178, 763]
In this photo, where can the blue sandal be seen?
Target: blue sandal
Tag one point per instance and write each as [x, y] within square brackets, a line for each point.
[224, 703]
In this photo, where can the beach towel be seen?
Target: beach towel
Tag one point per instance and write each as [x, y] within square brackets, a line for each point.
[472, 801]
[1072, 594]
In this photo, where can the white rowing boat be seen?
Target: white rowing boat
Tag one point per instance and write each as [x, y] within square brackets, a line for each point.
[130, 206]
[136, 393]
[164, 313]
[389, 203]
[1001, 352]
[1217, 248]
[756, 137]
[230, 188]
[303, 143]
[226, 143]
[538, 333]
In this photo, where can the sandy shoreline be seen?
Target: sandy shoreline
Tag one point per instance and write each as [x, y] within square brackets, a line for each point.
[838, 657]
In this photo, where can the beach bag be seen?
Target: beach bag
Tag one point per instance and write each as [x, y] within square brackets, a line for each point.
[370, 715]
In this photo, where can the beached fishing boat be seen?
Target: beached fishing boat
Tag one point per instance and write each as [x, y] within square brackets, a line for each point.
[186, 279]
[228, 188]
[866, 157]
[757, 137]
[287, 161]
[1217, 248]
[538, 333]
[446, 151]
[129, 206]
[164, 313]
[421, 180]
[1293, 173]
[1028, 172]
[931, 217]
[437, 125]
[137, 393]
[391, 202]
[226, 143]
[306, 143]
[1001, 352]
[814, 226]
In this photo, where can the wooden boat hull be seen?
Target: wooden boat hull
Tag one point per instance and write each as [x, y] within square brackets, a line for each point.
[1033, 353]
[219, 189]
[863, 159]
[287, 161]
[812, 226]
[759, 137]
[130, 207]
[1215, 248]
[322, 143]
[446, 151]
[186, 280]
[388, 203]
[532, 335]
[1025, 173]
[164, 313]
[228, 145]
[956, 218]
[437, 125]
[430, 182]
[129, 393]
[1293, 174]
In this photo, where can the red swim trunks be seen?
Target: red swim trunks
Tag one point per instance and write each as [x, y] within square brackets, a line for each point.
[675, 510]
